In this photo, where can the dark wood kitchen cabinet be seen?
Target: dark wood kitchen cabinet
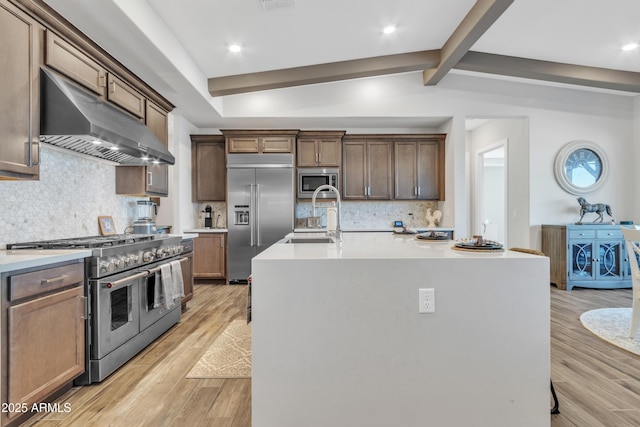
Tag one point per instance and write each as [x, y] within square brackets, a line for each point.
[43, 335]
[20, 59]
[208, 168]
[319, 149]
[260, 141]
[151, 180]
[187, 280]
[419, 169]
[209, 256]
[367, 172]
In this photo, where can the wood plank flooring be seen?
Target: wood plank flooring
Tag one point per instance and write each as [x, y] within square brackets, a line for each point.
[598, 384]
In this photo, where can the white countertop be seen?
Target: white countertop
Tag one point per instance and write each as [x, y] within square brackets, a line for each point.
[372, 245]
[29, 258]
[206, 230]
[370, 230]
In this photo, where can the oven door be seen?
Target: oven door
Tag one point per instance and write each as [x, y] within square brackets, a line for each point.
[115, 311]
[152, 306]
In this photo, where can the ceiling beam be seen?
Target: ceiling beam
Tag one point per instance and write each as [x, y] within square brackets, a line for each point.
[323, 73]
[550, 71]
[482, 15]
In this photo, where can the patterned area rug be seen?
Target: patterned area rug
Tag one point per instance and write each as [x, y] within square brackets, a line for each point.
[612, 325]
[229, 356]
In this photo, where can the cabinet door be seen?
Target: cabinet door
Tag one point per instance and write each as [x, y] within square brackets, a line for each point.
[209, 256]
[354, 173]
[243, 145]
[307, 153]
[581, 259]
[19, 93]
[610, 260]
[329, 152]
[157, 175]
[380, 170]
[75, 64]
[428, 171]
[406, 187]
[209, 172]
[125, 96]
[276, 144]
[45, 345]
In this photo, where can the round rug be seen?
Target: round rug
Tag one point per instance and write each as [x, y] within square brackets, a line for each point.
[612, 325]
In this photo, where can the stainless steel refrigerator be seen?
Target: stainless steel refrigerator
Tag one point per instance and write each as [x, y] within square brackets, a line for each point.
[260, 205]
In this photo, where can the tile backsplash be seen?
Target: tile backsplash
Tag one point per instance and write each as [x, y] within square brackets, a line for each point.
[372, 214]
[72, 192]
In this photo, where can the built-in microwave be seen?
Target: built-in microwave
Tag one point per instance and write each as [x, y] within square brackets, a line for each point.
[311, 178]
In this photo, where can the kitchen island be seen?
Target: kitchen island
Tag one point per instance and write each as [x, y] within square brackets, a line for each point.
[338, 339]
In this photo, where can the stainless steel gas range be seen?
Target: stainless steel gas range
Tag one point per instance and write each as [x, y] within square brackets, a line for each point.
[126, 308]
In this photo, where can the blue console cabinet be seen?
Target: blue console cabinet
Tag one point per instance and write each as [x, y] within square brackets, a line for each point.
[586, 255]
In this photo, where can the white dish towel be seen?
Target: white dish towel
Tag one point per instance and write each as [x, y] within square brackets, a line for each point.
[176, 278]
[167, 285]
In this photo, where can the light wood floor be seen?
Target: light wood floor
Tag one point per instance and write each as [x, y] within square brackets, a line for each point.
[597, 383]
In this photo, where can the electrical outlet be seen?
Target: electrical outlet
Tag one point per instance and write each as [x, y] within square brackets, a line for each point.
[426, 300]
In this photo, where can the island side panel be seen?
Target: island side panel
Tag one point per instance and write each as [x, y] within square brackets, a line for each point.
[340, 342]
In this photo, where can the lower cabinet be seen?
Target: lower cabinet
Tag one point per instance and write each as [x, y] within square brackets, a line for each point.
[209, 256]
[43, 336]
[187, 279]
[587, 255]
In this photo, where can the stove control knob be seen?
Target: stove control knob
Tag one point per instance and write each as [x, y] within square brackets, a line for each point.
[118, 262]
[127, 260]
[148, 256]
[160, 252]
[135, 259]
[180, 248]
[107, 266]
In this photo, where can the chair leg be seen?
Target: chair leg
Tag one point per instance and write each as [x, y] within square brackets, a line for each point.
[556, 404]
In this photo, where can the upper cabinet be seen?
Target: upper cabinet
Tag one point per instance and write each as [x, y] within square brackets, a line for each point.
[419, 169]
[397, 166]
[368, 169]
[260, 141]
[21, 53]
[319, 149]
[208, 168]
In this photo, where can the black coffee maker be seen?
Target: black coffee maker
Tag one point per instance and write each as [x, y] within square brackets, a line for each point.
[208, 220]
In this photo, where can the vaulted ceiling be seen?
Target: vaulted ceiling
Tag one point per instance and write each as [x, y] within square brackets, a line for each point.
[183, 45]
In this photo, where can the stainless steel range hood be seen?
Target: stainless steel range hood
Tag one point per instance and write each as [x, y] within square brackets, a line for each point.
[77, 120]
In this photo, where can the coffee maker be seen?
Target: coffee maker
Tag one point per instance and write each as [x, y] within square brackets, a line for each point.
[208, 220]
[145, 224]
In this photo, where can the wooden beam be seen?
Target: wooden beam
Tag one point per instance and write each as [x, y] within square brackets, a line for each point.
[550, 71]
[482, 15]
[322, 73]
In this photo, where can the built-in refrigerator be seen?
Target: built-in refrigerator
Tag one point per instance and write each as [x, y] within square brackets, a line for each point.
[260, 207]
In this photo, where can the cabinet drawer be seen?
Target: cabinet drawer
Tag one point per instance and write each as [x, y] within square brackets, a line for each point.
[609, 234]
[39, 282]
[582, 234]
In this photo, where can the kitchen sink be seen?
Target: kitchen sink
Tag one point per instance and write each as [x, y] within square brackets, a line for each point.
[307, 239]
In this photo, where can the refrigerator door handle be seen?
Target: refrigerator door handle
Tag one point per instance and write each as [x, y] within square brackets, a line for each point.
[257, 215]
[252, 216]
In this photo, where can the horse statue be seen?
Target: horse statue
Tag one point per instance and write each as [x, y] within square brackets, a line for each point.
[599, 208]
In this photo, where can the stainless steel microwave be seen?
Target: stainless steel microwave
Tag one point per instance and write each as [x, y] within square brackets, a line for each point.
[311, 178]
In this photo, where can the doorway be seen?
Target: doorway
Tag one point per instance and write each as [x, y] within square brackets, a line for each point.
[491, 192]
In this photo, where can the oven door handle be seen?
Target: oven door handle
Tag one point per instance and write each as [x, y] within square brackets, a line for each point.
[156, 269]
[117, 283]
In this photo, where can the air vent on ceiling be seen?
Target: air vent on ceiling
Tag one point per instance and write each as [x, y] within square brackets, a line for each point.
[276, 4]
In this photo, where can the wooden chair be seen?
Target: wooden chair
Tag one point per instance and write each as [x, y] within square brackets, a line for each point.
[632, 237]
[556, 404]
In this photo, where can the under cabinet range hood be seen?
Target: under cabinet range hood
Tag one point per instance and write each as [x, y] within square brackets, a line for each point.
[79, 121]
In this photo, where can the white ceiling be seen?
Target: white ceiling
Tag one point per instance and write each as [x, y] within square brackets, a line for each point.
[177, 45]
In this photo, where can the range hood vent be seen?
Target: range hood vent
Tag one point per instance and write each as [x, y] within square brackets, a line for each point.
[77, 120]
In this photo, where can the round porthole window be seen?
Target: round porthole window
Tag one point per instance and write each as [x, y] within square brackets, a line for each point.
[581, 167]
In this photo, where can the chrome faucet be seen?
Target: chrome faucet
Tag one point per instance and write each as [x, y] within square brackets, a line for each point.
[313, 205]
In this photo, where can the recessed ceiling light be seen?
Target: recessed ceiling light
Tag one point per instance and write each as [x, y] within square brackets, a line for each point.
[389, 29]
[630, 46]
[235, 48]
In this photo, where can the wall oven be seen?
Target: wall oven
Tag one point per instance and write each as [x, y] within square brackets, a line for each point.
[311, 178]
